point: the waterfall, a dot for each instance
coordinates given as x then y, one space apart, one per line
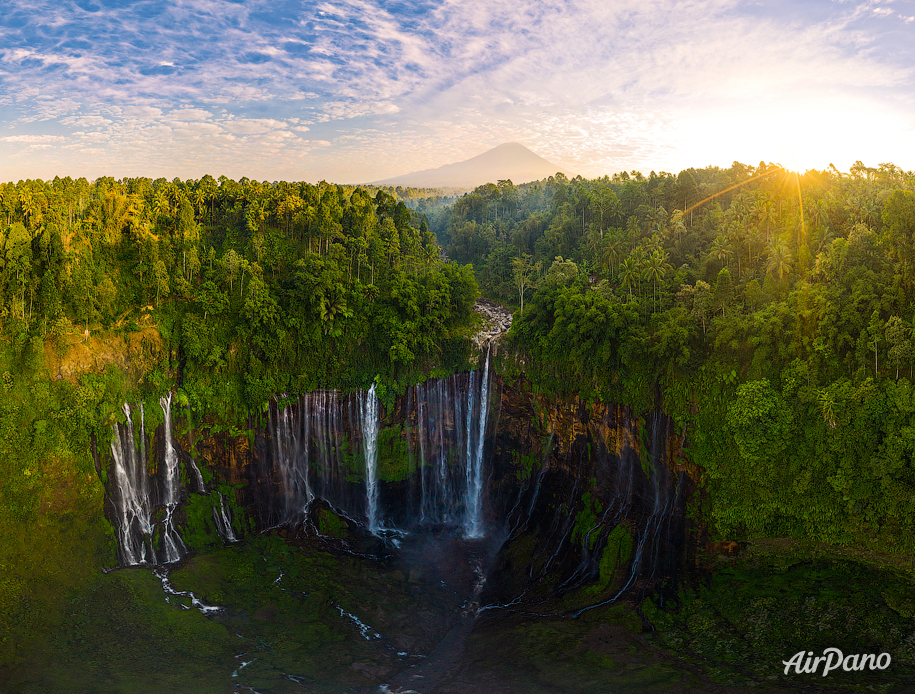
473 524
322 445
133 523
368 422
290 452
327 445
658 494
450 417
223 521
134 498
310 454
171 488
201 485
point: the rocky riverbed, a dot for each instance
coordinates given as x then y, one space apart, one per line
497 319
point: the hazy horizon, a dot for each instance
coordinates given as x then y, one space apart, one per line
365 90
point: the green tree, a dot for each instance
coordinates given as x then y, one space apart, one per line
160 277
656 269
629 273
524 274
17 253
875 331
724 290
899 221
779 259
897 337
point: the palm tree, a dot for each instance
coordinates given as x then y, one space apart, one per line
160 203
629 273
199 198
331 308
765 214
779 259
656 268
610 251
27 204
720 249
117 211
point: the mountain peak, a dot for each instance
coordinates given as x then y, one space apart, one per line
510 160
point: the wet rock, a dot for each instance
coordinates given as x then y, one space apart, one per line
497 320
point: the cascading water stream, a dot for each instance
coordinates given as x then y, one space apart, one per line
449 419
174 547
223 520
135 499
290 451
321 443
473 524
644 557
368 421
131 497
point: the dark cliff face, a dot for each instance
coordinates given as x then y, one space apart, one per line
579 495
595 500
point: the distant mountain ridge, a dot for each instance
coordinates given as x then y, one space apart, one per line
511 161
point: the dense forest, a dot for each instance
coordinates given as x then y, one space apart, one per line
771 314
243 278
231 292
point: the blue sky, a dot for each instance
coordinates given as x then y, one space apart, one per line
358 90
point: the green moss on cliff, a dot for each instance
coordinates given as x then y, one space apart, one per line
394 464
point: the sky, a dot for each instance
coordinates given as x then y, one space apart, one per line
358 90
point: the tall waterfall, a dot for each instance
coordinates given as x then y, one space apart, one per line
327 445
657 494
322 445
291 458
144 505
173 547
473 521
449 420
130 493
368 421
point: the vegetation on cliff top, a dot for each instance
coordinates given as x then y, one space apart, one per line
770 313
255 288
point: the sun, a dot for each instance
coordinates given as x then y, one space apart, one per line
799 136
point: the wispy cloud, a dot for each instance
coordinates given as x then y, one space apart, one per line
360 89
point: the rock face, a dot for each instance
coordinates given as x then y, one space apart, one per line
496 321
584 494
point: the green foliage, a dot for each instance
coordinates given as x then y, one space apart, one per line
199 531
393 462
586 520
762 610
256 288
779 338
330 524
616 553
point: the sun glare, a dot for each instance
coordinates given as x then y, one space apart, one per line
799 136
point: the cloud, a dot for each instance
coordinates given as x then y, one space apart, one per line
252 126
32 139
86 121
188 114
593 86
